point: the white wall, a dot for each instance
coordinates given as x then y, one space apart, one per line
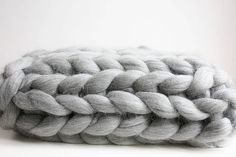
203 27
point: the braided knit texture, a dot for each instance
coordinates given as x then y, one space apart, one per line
125 97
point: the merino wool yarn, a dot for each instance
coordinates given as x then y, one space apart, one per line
124 97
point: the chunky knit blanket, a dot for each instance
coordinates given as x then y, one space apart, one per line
123 97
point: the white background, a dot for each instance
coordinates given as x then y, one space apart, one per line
206 28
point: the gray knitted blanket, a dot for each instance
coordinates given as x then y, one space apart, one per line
123 97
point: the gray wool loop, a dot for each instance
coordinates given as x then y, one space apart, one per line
124 97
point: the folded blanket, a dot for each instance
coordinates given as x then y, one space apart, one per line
123 97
